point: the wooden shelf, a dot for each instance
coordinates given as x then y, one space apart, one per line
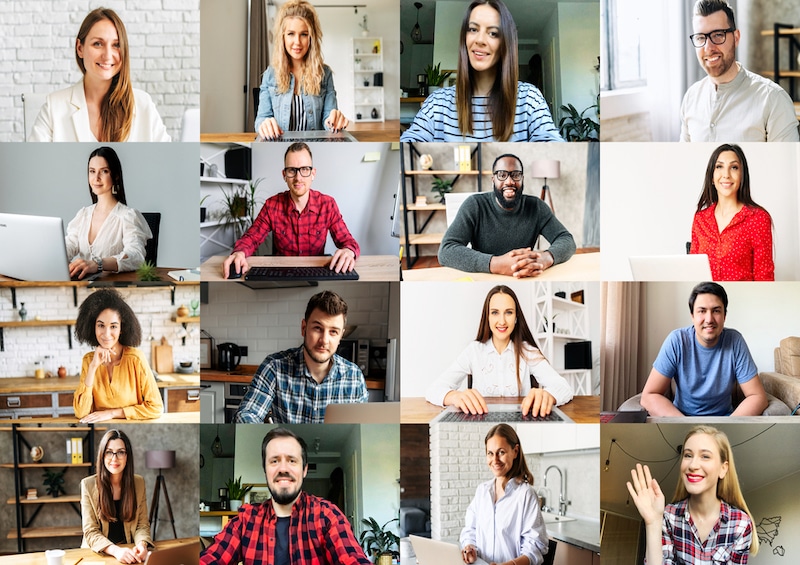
27 429
786 31
37 323
431 207
787 73
425 238
42 465
416 172
65 532
47 499
186 319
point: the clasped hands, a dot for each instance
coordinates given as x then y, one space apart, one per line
538 402
521 263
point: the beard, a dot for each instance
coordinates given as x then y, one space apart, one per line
284 495
507 203
317 357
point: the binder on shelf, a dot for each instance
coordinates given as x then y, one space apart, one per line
75 447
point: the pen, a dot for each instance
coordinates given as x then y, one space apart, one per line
78 561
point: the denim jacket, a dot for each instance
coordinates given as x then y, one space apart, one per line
279 105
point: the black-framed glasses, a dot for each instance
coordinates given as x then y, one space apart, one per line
292 171
503 175
121 454
717 37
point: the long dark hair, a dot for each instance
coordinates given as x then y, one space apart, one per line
116 172
520 335
103 481
519 470
709 194
503 97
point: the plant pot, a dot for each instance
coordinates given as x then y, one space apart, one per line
432 89
202 214
384 559
238 207
235 505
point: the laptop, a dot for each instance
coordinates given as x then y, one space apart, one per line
44 255
310 136
508 413
435 552
670 268
183 554
363 413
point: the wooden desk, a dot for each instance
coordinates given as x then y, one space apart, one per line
12 385
106 277
370 268
366 132
169 418
581 267
72 556
582 409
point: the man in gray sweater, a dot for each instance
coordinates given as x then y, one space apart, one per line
503 227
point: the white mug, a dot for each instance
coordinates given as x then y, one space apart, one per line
54 556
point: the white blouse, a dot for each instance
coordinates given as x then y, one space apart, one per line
493 374
122 236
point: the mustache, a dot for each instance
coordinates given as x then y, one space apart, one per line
284 476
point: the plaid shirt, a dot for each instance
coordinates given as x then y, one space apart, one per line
284 384
728 541
298 233
319 534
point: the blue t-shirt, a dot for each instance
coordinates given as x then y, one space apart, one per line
705 377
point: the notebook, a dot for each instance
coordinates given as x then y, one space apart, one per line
435 552
509 413
312 136
670 268
363 413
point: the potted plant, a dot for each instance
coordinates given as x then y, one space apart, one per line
575 127
436 77
147 272
236 492
379 542
203 209
441 187
241 207
54 481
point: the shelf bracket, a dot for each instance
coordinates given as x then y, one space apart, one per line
14 297
75 296
2 342
69 336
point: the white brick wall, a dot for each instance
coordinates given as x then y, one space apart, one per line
37 53
24 346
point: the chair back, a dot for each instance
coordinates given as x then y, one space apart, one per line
452 202
190 125
551 552
151 247
256 99
31 104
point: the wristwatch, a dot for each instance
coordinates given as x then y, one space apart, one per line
99 262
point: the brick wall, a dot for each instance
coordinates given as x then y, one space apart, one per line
37 53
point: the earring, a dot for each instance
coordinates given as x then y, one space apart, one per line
114 189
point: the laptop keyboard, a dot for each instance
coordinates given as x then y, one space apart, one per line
298 274
498 417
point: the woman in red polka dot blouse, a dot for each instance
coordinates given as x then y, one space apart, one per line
734 231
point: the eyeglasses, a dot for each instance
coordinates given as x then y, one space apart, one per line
292 171
717 37
121 454
503 175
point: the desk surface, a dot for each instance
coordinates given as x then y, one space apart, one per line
581 267
582 409
363 131
369 267
106 277
84 555
170 418
13 385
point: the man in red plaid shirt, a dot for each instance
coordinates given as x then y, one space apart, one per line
293 527
299 220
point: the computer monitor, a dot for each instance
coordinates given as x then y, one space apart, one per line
670 268
33 248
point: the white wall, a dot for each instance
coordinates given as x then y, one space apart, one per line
772 501
763 313
380 473
656 186
38 53
579 46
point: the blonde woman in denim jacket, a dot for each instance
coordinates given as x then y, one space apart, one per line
297 91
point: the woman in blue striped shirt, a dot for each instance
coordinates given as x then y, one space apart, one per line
488 102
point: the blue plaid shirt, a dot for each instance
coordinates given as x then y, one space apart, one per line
284 385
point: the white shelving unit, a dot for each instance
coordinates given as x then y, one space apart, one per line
215 238
368 60
571 321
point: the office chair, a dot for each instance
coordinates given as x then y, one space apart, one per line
551 552
256 98
151 247
31 104
190 125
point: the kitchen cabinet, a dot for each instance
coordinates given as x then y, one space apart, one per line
622 539
548 438
568 554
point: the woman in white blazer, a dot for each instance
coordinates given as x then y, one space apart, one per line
103 106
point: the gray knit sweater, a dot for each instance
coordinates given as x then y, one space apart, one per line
494 231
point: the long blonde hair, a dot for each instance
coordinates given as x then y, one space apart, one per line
116 110
313 70
727 487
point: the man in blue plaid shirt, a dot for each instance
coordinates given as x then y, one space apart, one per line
296 385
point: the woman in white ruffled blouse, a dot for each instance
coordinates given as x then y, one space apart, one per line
108 235
501 361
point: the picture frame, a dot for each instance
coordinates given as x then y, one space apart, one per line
451 80
258 494
205 353
577 296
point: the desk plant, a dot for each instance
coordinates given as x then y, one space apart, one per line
236 491
378 541
54 481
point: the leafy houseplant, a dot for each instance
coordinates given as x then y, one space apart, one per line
435 76
441 187
378 541
241 207
203 208
236 491
147 272
54 481
575 127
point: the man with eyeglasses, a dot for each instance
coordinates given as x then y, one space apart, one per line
502 227
731 104
299 219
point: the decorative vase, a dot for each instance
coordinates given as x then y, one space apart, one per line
62 372
374 114
23 313
183 311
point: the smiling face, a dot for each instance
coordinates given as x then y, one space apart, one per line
483 38
100 180
701 465
500 456
284 469
502 316
296 38
727 174
100 51
321 335
708 317
718 61
115 464
298 184
509 191
107 328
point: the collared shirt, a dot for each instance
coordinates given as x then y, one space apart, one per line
494 374
298 233
508 528
749 108
742 251
283 384
728 542
319 534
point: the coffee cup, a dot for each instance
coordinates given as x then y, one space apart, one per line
54 556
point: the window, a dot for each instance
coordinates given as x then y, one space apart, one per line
622 49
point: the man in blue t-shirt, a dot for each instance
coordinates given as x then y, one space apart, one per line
706 361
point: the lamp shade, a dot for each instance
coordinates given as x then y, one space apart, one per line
546 169
159 459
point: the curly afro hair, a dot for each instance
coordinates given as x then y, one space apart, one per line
130 333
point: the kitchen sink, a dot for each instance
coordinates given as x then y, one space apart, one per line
553 518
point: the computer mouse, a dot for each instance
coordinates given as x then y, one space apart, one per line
232 274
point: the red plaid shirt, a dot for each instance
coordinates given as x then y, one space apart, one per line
298 233
319 534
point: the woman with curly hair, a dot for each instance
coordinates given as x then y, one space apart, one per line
102 106
116 381
114 503
297 91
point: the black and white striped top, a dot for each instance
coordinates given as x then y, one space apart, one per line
297 117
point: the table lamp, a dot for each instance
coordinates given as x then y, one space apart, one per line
546 169
160 459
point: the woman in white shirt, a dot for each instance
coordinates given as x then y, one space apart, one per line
108 235
501 361
504 524
102 106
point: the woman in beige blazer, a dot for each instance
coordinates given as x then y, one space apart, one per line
114 503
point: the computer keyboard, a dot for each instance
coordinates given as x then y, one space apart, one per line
498 417
298 274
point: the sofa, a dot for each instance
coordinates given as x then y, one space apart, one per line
784 382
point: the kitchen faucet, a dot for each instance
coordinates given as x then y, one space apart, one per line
562 496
